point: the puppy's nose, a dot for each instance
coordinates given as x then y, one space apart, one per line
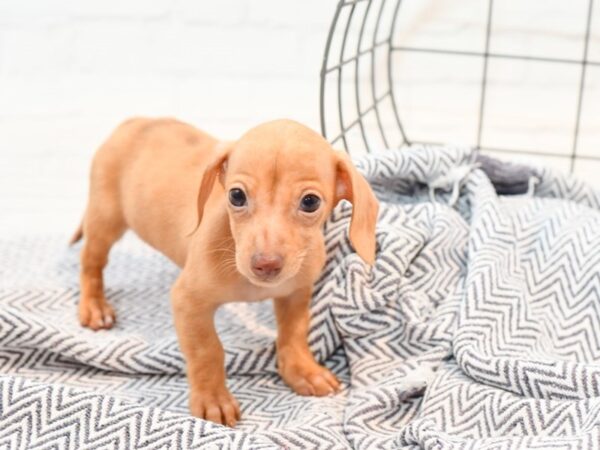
266 266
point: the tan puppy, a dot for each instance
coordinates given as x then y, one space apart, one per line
257 207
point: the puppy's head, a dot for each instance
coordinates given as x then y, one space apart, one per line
281 182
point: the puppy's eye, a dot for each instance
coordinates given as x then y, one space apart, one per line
237 197
310 203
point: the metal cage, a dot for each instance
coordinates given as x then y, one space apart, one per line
359 102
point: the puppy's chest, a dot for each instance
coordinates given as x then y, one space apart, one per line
245 291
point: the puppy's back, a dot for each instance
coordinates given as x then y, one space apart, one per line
148 171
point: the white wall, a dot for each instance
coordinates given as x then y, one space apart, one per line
70 70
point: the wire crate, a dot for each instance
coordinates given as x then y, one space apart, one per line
362 104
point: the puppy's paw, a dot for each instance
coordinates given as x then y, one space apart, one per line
216 405
309 378
96 314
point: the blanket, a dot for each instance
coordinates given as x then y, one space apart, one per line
477 327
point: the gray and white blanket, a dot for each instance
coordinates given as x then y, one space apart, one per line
478 327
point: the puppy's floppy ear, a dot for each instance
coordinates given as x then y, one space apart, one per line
216 168
352 186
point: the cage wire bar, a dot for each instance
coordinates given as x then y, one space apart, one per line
332 73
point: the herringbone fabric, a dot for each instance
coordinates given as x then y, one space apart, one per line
478 327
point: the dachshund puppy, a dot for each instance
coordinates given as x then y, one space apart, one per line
243 220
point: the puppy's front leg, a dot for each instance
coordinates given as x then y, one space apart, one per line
295 361
203 352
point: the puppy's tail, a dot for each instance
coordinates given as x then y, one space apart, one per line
77 235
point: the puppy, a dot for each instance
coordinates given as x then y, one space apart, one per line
243 220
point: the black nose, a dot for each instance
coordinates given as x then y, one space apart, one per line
266 266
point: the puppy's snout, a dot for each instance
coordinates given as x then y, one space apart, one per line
266 266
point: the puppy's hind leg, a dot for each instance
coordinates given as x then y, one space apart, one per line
101 231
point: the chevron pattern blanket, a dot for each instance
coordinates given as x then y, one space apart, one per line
478 327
